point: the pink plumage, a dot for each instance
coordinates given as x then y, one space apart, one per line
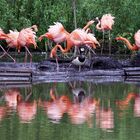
2 35
12 39
137 38
91 37
26 38
78 36
106 22
56 32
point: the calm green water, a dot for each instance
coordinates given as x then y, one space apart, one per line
70 111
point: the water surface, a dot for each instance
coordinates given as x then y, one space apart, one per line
72 110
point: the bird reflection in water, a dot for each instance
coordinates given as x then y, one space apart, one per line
125 103
25 108
27 111
56 106
12 97
2 112
137 106
83 107
105 117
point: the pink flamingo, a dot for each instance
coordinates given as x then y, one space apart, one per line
26 38
135 46
4 36
77 38
58 34
105 24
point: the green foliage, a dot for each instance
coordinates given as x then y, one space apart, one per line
16 14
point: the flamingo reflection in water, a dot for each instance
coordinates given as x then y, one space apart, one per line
105 118
56 106
25 109
12 97
82 112
124 104
137 106
83 107
3 110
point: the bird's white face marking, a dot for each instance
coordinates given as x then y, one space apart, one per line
82 49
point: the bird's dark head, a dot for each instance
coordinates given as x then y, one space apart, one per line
83 50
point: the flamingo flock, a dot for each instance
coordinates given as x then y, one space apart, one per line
26 37
15 39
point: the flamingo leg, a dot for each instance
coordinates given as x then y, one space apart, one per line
88 43
3 55
109 37
75 51
103 43
57 64
25 58
6 53
29 54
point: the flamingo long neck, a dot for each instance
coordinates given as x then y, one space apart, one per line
54 50
86 27
128 44
67 33
68 47
98 26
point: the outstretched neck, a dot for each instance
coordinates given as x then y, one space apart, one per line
54 50
98 26
126 41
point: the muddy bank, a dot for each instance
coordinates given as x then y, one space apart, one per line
95 63
97 69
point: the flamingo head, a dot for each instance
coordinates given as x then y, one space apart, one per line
41 37
90 22
97 19
34 28
119 38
